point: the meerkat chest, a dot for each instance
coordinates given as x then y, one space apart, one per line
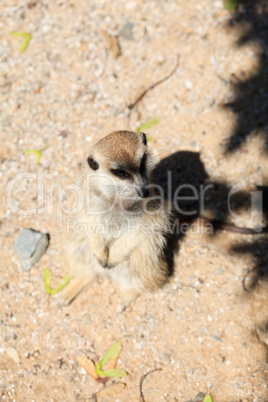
111 228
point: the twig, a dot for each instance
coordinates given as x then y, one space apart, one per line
132 105
141 382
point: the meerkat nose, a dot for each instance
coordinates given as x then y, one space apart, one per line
143 192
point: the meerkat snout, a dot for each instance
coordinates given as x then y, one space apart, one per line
143 192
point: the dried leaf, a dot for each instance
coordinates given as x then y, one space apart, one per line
88 365
111 364
113 44
34 151
47 279
112 390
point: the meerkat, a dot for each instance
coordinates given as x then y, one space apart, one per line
125 223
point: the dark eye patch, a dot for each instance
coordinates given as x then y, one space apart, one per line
92 163
122 174
143 164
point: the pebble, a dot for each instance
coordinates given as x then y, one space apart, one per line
218 271
130 5
166 358
126 31
13 353
30 245
188 84
198 398
217 338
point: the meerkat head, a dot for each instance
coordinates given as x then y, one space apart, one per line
120 165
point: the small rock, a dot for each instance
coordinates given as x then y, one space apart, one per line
217 338
188 84
199 398
218 271
63 134
82 371
209 384
166 358
126 31
191 371
30 246
131 5
13 353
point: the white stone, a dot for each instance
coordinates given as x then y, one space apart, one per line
188 84
13 353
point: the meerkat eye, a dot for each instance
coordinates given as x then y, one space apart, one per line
92 163
122 174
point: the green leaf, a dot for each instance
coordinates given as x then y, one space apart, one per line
47 276
148 125
207 399
47 279
26 41
34 151
112 353
151 139
117 373
231 5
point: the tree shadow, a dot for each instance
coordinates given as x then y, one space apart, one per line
184 170
250 104
259 272
184 181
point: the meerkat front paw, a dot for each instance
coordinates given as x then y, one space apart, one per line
129 297
102 257
69 293
114 259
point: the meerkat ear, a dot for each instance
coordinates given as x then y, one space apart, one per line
144 139
92 163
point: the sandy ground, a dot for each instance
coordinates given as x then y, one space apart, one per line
60 96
